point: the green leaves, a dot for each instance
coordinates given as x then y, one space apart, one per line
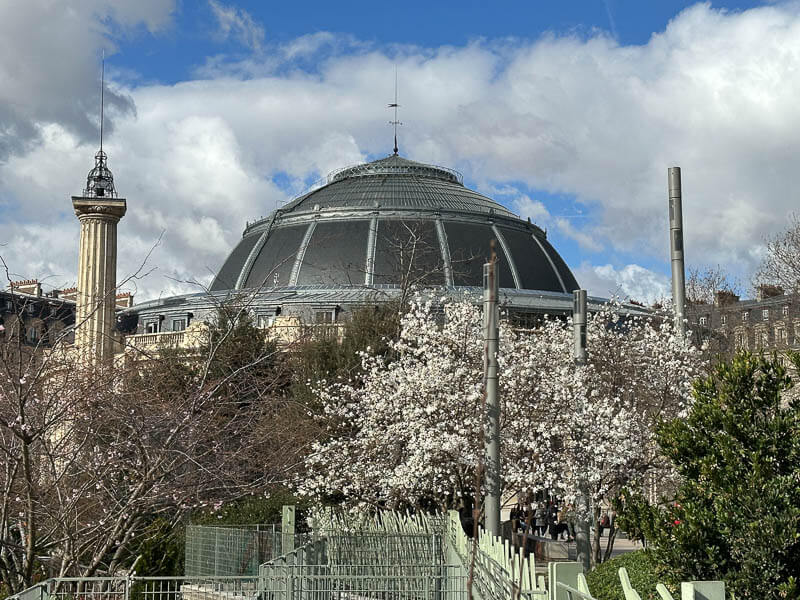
736 513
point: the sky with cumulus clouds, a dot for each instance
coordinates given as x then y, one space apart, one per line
217 112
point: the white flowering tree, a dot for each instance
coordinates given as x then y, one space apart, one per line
406 431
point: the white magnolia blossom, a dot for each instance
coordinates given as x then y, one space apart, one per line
406 430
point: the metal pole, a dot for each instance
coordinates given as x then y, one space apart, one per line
676 248
582 508
491 340
579 326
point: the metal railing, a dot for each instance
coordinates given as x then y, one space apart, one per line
570 593
320 582
142 588
289 582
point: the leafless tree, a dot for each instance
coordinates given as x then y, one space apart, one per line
91 454
703 284
781 265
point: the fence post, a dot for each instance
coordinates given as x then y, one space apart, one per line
703 590
216 550
287 528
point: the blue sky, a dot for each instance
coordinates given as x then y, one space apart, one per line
172 56
567 112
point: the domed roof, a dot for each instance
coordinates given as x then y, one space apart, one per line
396 182
392 222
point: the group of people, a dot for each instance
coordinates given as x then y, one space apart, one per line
546 518
558 521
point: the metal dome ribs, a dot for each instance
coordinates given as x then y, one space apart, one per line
389 223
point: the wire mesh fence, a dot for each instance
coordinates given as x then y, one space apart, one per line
384 548
234 551
386 582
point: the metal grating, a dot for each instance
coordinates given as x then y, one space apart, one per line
230 551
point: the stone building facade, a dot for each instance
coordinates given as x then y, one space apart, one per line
33 318
770 322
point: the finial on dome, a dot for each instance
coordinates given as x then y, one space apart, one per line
100 181
395 106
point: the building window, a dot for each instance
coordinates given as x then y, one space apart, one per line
765 314
151 327
740 340
322 317
32 335
745 316
780 334
178 324
785 310
724 319
703 320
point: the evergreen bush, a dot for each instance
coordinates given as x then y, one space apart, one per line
604 581
736 513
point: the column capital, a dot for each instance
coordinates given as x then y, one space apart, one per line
110 209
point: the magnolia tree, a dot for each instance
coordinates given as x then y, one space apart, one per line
407 430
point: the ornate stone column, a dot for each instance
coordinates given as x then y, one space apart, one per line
98 211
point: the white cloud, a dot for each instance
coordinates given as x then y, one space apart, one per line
632 282
584 239
237 22
715 93
50 64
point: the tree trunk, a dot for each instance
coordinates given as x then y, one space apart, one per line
612 536
596 556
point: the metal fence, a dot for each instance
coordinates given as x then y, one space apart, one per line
233 551
387 582
384 548
143 588
290 582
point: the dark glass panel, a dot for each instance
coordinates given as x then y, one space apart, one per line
336 254
534 270
569 279
273 265
229 273
408 253
470 249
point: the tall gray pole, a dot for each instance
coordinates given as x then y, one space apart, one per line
491 339
676 248
583 546
579 326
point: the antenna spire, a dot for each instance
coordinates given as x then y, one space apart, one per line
100 181
102 95
395 106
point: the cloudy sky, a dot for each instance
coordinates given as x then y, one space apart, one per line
217 112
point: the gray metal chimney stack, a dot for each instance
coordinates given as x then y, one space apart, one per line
676 249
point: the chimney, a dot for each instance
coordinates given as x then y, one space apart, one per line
766 290
31 287
124 300
725 297
70 294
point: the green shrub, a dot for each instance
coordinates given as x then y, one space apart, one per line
736 513
604 581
